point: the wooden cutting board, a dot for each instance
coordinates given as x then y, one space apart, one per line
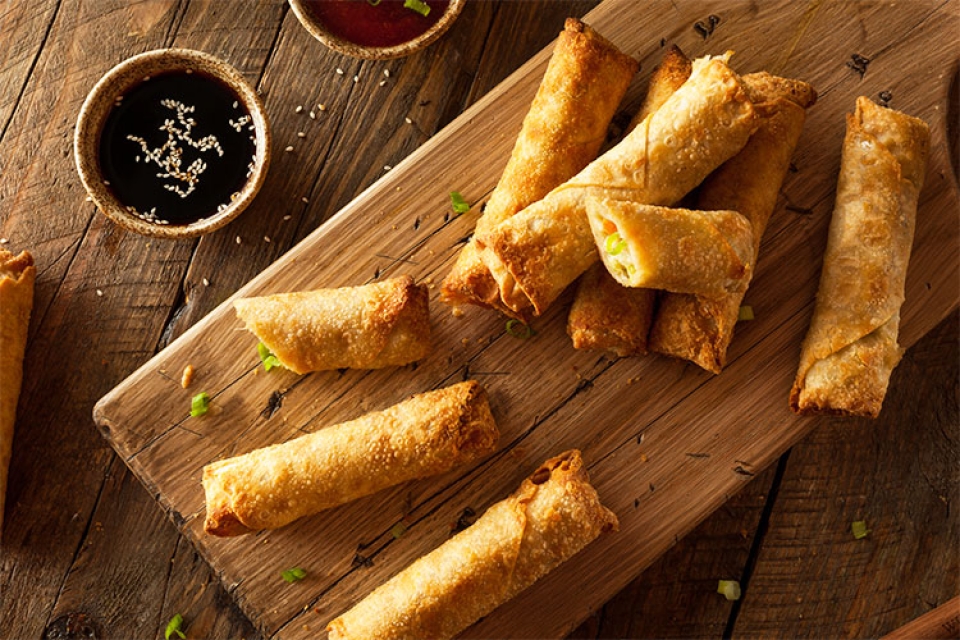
665 442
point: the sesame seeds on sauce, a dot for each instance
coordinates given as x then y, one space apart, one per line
177 147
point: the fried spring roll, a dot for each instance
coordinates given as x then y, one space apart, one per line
17 275
605 314
548 245
367 327
700 328
705 252
584 82
851 347
428 434
552 516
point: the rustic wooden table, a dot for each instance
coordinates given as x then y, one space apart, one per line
86 551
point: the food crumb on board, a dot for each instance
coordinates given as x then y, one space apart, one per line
457 312
187 376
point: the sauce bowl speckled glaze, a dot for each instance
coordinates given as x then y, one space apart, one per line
107 95
340 44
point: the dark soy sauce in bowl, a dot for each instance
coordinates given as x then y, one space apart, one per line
177 147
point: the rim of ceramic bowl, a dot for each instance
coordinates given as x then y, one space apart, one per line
349 48
99 103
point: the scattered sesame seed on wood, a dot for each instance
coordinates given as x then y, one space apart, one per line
299 108
187 376
288 149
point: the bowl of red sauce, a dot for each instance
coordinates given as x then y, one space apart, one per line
376 29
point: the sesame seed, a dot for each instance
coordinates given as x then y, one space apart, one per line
206 282
301 134
387 167
239 240
89 198
408 120
4 240
266 238
99 293
383 83
356 78
313 116
286 217
304 199
386 72
322 107
299 108
339 71
234 104
289 149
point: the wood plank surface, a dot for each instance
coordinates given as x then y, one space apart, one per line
85 550
694 455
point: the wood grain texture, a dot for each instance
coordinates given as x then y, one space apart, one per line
401 217
85 545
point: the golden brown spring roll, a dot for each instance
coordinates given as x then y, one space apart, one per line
17 275
851 347
552 516
699 328
704 252
377 325
548 245
428 434
605 314
584 82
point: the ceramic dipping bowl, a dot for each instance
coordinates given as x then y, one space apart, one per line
377 30
172 143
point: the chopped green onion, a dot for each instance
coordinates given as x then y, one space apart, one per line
730 589
267 358
460 205
200 404
746 313
859 529
173 627
398 530
519 330
419 6
614 244
294 574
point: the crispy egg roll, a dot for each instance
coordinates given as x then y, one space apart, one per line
427 434
372 326
851 347
700 328
606 315
17 275
609 316
567 122
705 252
552 516
548 245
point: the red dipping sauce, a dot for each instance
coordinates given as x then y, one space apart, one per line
386 24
